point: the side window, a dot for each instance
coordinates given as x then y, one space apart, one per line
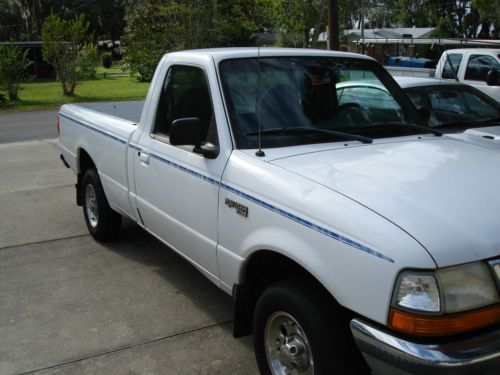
479 66
449 71
184 94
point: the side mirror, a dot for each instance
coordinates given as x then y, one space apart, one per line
492 78
187 132
425 113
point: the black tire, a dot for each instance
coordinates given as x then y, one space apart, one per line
102 222
317 323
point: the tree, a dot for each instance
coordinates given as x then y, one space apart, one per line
13 63
154 28
489 12
63 41
145 38
23 19
300 21
234 22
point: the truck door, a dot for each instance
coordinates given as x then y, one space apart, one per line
177 189
477 70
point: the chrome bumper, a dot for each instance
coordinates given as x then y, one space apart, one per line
389 354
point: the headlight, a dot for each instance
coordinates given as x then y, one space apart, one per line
418 291
467 287
448 301
447 290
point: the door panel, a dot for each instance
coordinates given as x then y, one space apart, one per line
178 190
177 196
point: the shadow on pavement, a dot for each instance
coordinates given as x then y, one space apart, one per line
136 244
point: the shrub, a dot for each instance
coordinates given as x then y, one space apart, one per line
88 60
63 41
13 63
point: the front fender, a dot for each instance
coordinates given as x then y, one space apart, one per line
355 253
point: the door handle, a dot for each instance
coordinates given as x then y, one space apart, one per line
143 157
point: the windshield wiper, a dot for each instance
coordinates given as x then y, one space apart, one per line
427 129
306 131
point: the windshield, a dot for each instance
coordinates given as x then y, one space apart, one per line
353 96
455 105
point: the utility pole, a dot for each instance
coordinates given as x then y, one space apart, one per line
363 26
333 25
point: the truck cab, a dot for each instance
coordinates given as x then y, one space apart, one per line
478 67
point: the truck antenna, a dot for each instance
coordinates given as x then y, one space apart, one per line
259 152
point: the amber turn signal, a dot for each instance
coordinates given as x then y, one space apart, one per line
443 325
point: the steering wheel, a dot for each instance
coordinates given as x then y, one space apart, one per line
351 105
359 110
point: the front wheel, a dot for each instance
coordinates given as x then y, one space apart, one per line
298 331
102 222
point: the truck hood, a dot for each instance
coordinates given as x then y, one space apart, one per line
445 193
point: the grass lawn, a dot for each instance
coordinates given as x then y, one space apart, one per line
47 94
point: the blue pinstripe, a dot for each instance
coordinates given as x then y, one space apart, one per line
81 123
242 194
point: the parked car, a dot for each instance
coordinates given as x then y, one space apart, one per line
340 227
455 107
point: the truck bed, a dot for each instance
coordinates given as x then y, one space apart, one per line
103 130
128 110
398 71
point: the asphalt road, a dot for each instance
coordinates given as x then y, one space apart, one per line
26 126
69 305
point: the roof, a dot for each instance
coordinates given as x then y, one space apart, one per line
219 54
407 82
376 84
383 33
437 41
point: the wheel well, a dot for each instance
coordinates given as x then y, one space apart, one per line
261 270
85 163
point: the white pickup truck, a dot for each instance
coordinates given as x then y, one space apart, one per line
478 67
303 183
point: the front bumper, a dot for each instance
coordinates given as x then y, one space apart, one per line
389 354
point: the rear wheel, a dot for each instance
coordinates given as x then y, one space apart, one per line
297 330
102 222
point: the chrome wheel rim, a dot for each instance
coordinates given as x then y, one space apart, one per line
91 206
287 349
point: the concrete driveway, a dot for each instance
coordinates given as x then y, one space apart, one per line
69 305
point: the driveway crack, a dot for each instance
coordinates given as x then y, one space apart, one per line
132 346
44 241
